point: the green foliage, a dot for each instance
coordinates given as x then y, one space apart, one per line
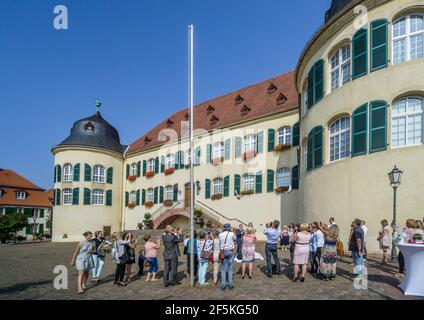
10 224
147 216
49 223
198 214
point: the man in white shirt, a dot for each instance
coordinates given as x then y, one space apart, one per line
364 227
226 243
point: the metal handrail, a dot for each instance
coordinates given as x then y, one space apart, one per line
220 214
162 206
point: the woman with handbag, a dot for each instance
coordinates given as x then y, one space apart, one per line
120 258
151 253
204 249
248 251
130 248
82 257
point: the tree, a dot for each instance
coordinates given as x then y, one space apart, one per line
10 224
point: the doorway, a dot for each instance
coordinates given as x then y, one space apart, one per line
106 231
187 195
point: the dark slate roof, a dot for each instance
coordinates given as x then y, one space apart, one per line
336 7
103 134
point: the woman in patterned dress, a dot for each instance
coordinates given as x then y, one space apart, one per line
328 263
84 260
248 251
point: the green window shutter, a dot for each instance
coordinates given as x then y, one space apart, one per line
182 156
55 174
59 173
310 151
75 196
156 165
161 195
197 156
237 151
128 171
175 194
155 195
318 143
258 182
271 140
378 126
260 142
144 167
138 168
295 178
28 212
207 189
109 198
87 172
162 164
143 197
87 196
237 184
318 81
28 229
379 44
227 186
270 180
296 135
208 153
137 199
360 53
77 172
109 175
311 87
41 229
127 198
359 130
227 149
58 197
41 213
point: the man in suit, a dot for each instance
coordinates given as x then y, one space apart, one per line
170 242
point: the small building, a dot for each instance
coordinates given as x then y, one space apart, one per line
19 195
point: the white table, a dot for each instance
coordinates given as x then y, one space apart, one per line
413 284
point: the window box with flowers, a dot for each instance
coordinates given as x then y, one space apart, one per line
249 155
131 205
281 189
150 174
168 203
216 196
132 178
217 161
169 171
247 192
282 147
148 204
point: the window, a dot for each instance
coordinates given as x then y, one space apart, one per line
340 139
218 186
305 157
305 99
284 136
249 143
169 192
99 174
21 195
316 83
151 165
98 197
340 67
408 38
283 178
249 182
67 173
315 146
188 155
1 193
407 122
150 195
133 197
218 150
67 196
170 160
133 169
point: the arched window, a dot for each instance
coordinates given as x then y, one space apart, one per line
169 192
249 143
170 161
151 165
133 197
408 38
98 197
283 178
150 195
218 150
67 196
407 122
99 174
218 186
340 67
340 139
67 173
284 136
133 169
249 182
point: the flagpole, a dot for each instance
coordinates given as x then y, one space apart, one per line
191 98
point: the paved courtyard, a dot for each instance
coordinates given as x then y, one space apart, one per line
27 273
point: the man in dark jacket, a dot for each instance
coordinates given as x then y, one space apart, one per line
170 242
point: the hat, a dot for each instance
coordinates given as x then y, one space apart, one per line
227 226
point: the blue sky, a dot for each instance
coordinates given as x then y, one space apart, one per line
132 54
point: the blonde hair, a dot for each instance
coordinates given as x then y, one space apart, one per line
411 223
304 227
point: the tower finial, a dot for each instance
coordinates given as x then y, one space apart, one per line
98 104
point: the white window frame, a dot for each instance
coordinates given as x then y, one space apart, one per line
218 150
250 143
338 135
407 36
187 157
133 197
248 182
284 136
151 165
21 195
406 115
98 197
283 177
67 196
133 169
339 67
170 161
169 193
68 173
150 195
218 186
35 214
99 174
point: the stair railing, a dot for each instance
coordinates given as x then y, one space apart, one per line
216 213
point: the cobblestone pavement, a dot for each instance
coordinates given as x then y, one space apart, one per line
27 273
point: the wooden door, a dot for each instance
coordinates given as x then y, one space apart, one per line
187 196
106 231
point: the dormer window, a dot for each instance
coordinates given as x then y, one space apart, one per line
245 110
281 99
214 120
169 123
210 109
272 88
147 140
1 193
239 99
89 128
21 195
187 116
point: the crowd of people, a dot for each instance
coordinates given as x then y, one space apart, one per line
315 244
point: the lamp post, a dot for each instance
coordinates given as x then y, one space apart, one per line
395 177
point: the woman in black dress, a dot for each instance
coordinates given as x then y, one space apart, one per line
130 249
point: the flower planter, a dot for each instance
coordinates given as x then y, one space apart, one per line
168 203
217 161
148 224
148 204
187 166
249 155
281 189
132 178
200 222
131 205
247 192
149 174
282 147
169 171
216 197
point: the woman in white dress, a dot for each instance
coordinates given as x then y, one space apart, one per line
84 260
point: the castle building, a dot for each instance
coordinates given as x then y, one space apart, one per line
301 147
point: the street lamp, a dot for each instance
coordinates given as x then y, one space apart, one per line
395 177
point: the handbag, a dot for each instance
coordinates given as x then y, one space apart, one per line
339 248
222 252
205 254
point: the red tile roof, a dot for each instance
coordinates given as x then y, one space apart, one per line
261 99
9 178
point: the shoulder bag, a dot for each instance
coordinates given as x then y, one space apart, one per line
222 252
